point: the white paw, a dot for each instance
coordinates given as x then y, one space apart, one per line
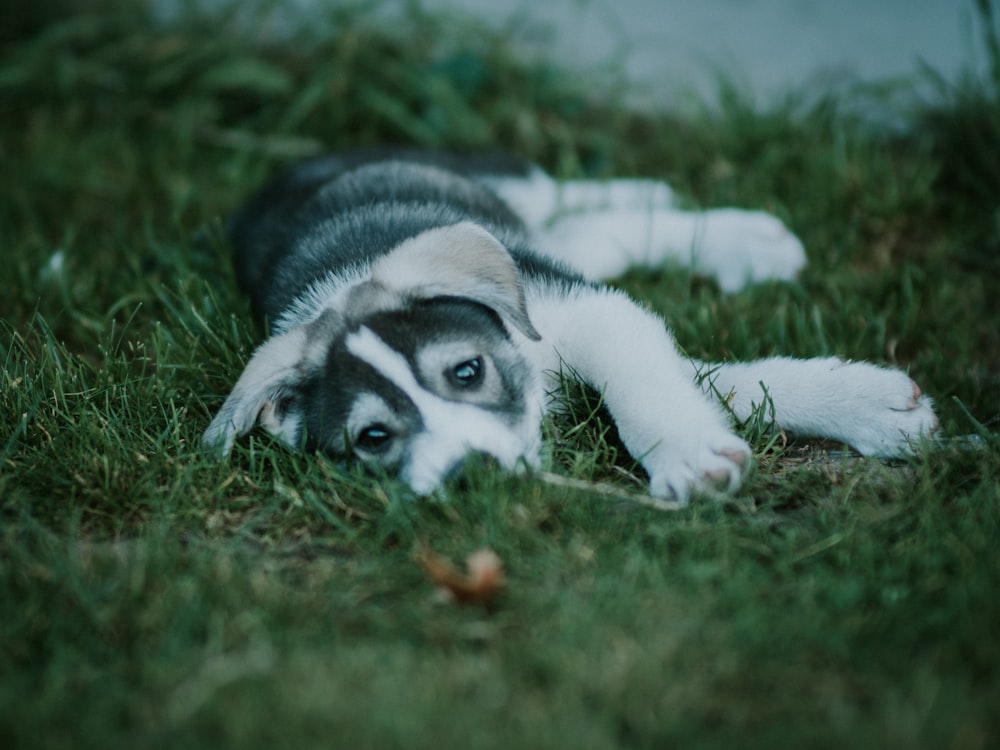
714 460
740 247
884 412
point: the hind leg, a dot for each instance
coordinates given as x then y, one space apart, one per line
876 410
604 228
543 202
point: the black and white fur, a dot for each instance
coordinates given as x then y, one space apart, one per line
420 304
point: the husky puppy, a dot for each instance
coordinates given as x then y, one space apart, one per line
419 304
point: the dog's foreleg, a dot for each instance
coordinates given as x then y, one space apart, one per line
680 436
876 410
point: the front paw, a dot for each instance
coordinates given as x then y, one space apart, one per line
679 468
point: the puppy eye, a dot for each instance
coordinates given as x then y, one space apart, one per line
467 373
374 437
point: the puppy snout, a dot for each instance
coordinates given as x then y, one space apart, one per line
471 465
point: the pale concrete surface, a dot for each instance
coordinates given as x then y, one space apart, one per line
674 48
672 51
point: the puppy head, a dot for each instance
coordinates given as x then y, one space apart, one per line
408 371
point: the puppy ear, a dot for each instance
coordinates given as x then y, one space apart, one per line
462 260
263 392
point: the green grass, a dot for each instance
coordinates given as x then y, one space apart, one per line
152 598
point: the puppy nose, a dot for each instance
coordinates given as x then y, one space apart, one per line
472 464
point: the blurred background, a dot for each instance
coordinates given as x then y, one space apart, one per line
677 49
674 52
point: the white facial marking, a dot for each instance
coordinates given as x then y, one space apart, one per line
451 429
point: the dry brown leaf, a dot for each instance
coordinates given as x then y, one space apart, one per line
479 584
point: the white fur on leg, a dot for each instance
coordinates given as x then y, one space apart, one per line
604 228
541 200
740 247
680 436
733 246
876 410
